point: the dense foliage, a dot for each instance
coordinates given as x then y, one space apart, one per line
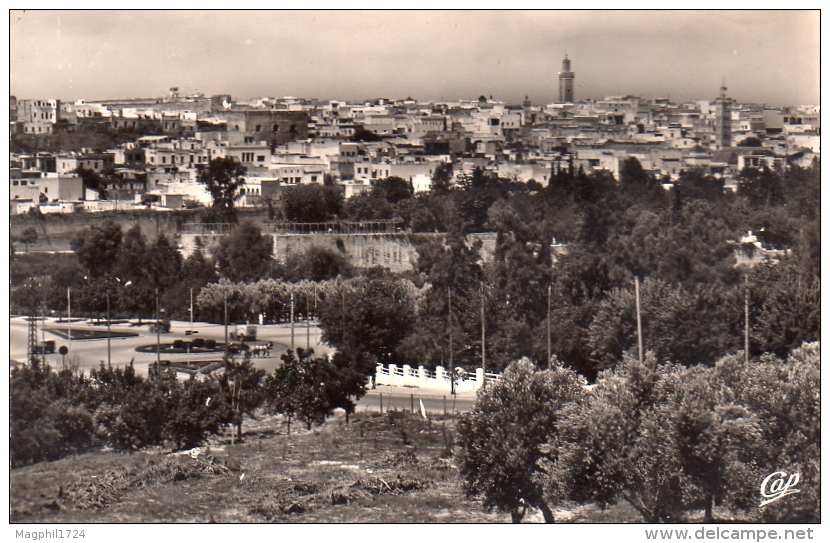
664 438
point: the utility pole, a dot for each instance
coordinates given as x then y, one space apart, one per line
69 317
292 318
549 353
449 324
158 333
746 318
43 332
307 325
343 317
34 358
225 301
109 350
639 324
483 346
191 311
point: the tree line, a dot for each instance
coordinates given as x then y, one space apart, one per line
664 438
54 414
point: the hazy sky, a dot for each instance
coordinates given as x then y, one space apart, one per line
765 56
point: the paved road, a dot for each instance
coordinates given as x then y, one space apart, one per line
404 398
90 353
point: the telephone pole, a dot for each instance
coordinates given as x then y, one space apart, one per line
292 318
549 353
746 318
639 324
449 323
69 317
483 346
158 331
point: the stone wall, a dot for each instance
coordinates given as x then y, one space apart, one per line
393 251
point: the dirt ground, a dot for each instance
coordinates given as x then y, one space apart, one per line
391 467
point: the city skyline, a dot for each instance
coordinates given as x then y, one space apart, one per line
428 55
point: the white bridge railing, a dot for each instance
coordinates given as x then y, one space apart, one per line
439 379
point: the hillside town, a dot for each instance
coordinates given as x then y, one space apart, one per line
160 144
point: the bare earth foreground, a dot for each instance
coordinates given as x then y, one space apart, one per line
389 467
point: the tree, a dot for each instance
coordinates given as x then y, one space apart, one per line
762 188
97 247
245 254
452 272
132 267
641 186
503 438
696 184
242 385
751 141
442 178
715 437
361 134
366 318
312 203
28 236
393 189
368 206
92 180
317 263
223 177
616 446
163 264
789 312
297 389
197 271
694 326
196 410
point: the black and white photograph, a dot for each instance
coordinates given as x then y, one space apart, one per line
373 266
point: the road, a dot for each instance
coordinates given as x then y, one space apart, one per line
91 352
404 398
88 354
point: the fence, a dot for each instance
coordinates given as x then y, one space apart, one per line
437 380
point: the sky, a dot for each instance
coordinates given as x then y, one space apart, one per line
764 56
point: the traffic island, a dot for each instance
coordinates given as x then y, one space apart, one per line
197 346
82 334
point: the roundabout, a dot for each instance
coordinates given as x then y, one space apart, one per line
140 349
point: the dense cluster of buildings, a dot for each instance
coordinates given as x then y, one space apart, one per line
288 141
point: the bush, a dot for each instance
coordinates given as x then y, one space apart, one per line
199 343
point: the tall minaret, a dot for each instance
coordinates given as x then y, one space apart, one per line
566 81
723 119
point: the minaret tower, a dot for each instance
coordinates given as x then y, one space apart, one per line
566 81
723 119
